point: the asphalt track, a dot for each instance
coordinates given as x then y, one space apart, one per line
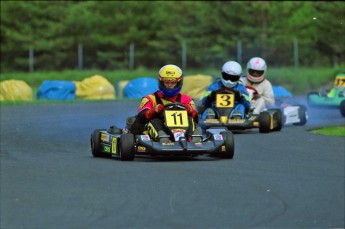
49 179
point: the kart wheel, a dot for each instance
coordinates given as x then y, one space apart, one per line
303 116
96 145
279 119
229 145
342 108
126 147
264 122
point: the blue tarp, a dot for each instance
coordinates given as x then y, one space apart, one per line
137 88
280 91
57 90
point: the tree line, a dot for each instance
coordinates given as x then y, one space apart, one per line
212 31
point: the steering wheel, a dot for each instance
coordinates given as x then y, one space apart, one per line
255 92
174 106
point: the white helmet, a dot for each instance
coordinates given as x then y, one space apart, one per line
256 70
231 73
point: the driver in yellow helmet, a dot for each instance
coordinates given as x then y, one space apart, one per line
170 81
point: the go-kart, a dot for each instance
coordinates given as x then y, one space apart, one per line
295 114
330 98
266 121
116 142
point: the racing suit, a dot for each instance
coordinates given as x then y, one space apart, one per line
156 123
266 95
242 105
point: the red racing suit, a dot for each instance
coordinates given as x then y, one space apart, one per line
150 101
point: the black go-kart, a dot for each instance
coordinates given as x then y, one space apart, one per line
267 121
117 142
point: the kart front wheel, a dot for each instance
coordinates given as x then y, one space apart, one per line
279 120
127 147
264 122
96 144
229 145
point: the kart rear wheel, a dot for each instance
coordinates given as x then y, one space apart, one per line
303 116
127 147
264 122
229 145
342 108
96 144
279 120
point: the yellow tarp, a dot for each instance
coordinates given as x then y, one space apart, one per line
196 85
15 90
95 87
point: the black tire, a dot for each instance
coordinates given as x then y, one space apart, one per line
279 119
229 145
96 144
303 116
342 108
264 122
127 147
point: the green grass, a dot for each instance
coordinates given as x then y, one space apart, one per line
338 131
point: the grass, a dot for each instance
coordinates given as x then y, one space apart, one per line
338 131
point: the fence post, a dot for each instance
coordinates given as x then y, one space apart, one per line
131 56
184 55
80 56
31 59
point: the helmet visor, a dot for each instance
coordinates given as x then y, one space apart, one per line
232 78
255 73
170 83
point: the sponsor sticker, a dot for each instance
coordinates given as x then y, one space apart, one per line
236 121
114 145
107 149
141 149
168 144
104 137
145 137
218 137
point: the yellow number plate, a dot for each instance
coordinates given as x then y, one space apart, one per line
225 100
176 118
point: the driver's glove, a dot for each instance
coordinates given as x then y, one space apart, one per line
211 97
159 108
190 110
238 96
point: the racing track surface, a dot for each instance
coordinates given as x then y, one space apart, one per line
49 179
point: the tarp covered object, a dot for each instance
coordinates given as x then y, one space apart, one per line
119 86
56 90
95 87
280 91
196 85
137 88
15 90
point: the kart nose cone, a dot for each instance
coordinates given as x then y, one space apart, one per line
223 119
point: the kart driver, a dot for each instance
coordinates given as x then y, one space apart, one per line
255 77
170 81
231 73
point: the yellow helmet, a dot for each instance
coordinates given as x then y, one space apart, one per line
170 73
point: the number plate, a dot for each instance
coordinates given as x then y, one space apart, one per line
176 118
225 100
